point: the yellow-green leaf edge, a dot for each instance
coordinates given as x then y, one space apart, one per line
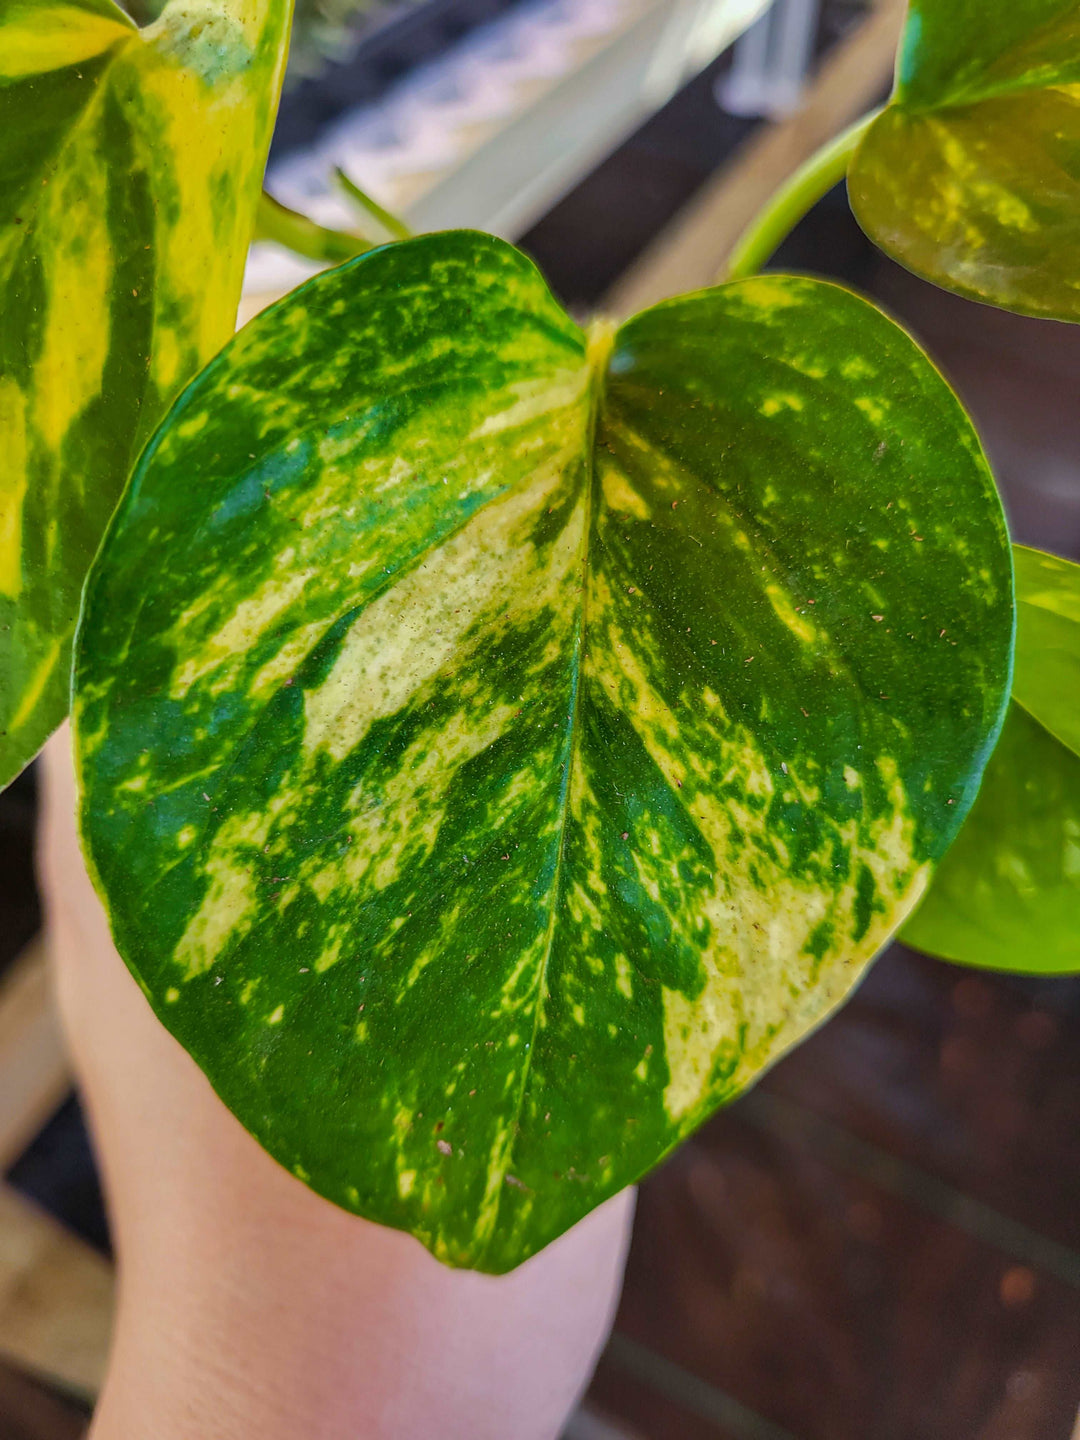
130 166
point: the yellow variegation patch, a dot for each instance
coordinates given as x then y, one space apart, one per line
130 167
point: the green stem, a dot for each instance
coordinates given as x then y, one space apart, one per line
390 223
776 220
274 221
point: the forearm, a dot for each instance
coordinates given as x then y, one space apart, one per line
251 1307
331 1327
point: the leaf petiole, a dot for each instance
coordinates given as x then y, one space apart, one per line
274 221
776 220
389 222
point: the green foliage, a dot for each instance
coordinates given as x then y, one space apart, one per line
130 167
1007 896
274 221
517 738
498 741
1046 680
296 232
971 175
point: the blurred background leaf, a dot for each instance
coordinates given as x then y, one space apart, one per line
322 29
1007 895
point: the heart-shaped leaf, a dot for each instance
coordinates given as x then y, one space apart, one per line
130 167
1007 896
971 175
498 745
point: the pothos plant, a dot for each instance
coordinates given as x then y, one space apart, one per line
499 741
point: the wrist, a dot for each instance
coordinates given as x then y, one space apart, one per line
303 1320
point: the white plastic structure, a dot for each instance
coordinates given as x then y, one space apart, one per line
494 131
771 61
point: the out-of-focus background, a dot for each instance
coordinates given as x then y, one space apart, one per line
882 1240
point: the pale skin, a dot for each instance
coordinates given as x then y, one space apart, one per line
248 1306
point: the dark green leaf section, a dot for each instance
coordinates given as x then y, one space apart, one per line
971 176
130 168
498 744
1007 896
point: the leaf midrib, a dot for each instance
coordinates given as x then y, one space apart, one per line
600 341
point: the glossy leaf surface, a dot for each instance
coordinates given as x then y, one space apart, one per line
1007 896
498 744
971 175
130 166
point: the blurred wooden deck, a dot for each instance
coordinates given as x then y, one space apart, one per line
881 1242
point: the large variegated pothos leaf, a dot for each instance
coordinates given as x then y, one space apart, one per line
1007 896
497 744
130 167
971 175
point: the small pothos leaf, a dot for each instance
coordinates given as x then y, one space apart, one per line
130 167
1046 677
498 743
1007 895
971 175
